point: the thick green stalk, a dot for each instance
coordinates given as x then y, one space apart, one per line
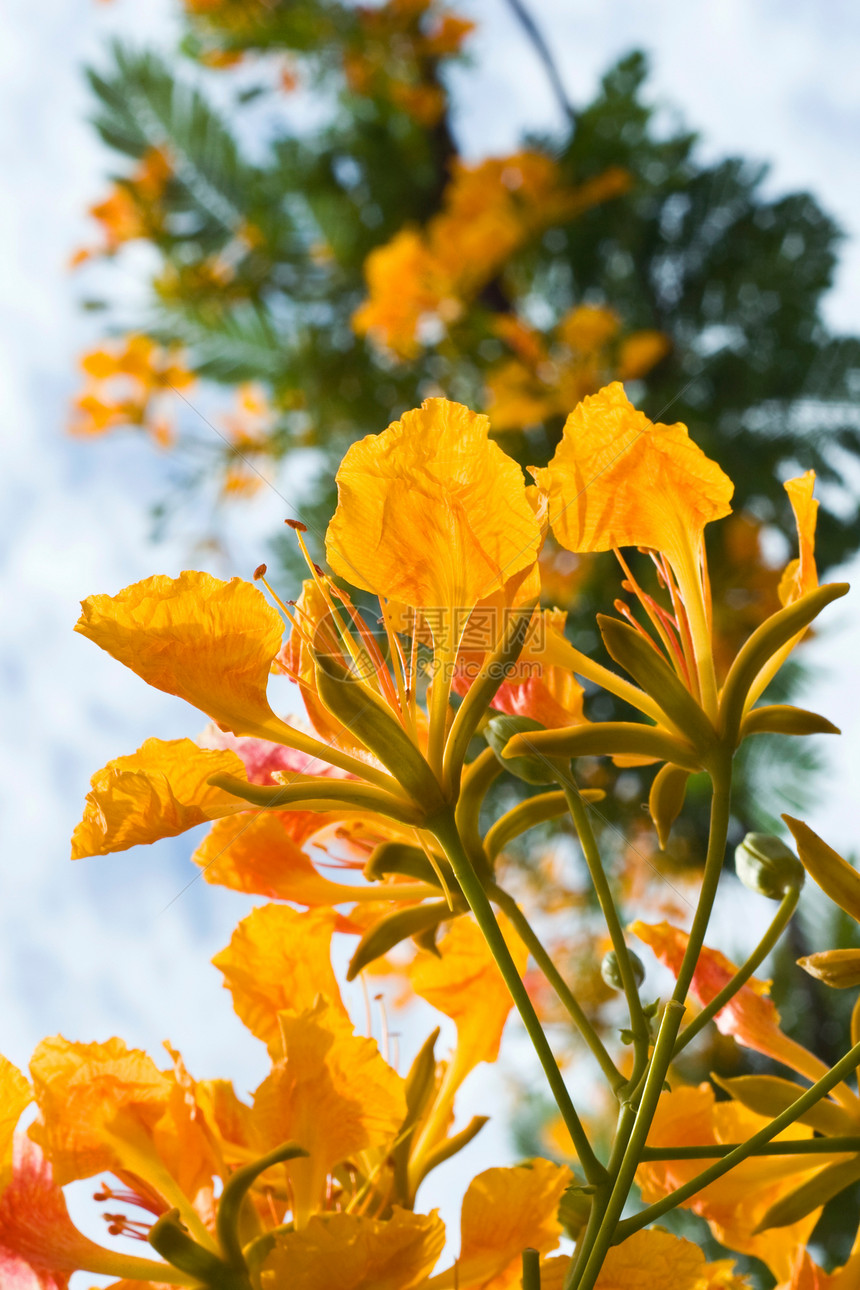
787 906
541 956
820 1089
531 1269
588 842
445 830
590 1263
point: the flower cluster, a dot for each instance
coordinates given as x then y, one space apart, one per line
369 820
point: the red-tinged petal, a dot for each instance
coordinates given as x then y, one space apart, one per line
750 1017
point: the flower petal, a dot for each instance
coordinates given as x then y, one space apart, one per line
79 1088
505 1211
278 959
209 642
750 1017
15 1096
466 984
734 1204
431 512
332 1093
618 479
157 792
262 854
357 1253
801 575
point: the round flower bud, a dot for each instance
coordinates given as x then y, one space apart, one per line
766 865
611 972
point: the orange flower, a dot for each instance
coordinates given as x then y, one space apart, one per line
127 385
419 283
618 480
750 1017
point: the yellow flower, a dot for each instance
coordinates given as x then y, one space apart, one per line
353 1252
650 1259
618 479
330 1091
207 641
504 1211
432 513
157 792
735 1204
278 959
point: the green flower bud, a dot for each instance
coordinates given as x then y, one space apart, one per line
766 865
611 972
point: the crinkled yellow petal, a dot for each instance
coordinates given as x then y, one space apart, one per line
431 512
649 1259
278 959
734 1204
79 1089
801 575
466 984
157 792
504 1212
260 853
209 642
618 479
351 1252
15 1095
332 1093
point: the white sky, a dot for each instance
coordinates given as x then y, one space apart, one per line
88 949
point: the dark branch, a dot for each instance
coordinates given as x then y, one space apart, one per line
544 53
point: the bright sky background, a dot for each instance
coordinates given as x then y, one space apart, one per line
97 948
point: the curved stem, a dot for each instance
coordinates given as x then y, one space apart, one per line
844 1067
477 778
445 830
787 906
588 842
542 957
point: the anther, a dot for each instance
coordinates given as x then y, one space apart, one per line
297 525
260 572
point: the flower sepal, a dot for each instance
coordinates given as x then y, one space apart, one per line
606 739
409 862
666 799
368 718
638 656
309 793
766 641
784 719
840 969
400 924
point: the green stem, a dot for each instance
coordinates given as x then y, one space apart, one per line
662 1056
787 906
531 1270
790 1147
820 1089
588 842
585 1244
670 1024
542 957
477 778
445 830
